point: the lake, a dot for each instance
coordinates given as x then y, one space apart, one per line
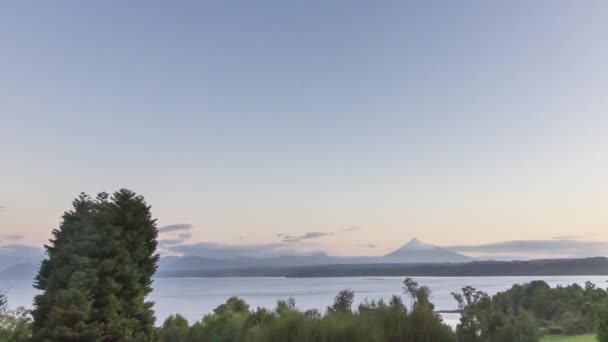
194 297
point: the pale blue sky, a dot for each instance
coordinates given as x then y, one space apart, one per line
457 122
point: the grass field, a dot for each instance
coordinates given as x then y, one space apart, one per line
561 338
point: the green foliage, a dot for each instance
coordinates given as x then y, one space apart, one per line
15 326
175 329
483 318
232 305
602 322
419 295
520 313
98 272
477 319
343 302
373 321
565 338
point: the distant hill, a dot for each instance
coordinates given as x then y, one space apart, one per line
547 267
19 272
192 263
416 251
15 254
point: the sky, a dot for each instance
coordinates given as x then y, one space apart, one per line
345 127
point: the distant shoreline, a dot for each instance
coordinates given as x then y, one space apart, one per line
597 266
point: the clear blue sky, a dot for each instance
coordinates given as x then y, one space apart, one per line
457 122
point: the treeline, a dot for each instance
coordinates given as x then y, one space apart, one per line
371 321
15 325
234 321
523 313
533 309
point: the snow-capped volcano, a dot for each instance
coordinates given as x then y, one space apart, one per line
417 245
417 251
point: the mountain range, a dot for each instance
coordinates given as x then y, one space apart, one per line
415 251
414 255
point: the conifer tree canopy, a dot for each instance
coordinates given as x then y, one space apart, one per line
98 272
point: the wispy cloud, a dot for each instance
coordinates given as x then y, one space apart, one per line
300 238
174 241
169 242
185 236
351 229
175 228
368 245
12 237
173 235
567 237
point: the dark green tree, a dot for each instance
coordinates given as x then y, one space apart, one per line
134 231
602 322
234 305
98 271
343 302
501 318
419 295
68 279
175 329
478 320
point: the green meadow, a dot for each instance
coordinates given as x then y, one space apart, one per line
562 338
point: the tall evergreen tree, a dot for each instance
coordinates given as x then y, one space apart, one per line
67 279
98 272
137 234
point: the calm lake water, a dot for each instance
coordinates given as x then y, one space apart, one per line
194 297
